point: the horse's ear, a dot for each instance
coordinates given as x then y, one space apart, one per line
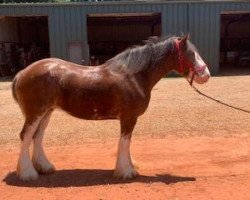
184 38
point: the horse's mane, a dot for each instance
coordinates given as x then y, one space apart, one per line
139 58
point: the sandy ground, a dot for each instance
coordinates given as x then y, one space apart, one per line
186 147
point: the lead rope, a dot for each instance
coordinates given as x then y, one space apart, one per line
196 89
216 100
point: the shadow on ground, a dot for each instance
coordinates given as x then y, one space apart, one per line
89 177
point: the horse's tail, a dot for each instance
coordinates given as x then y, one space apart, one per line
14 89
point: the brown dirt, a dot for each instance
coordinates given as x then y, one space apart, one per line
186 147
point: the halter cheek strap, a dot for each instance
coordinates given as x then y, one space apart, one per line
184 63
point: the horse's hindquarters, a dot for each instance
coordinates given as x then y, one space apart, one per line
35 92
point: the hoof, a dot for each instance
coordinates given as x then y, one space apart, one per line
131 173
28 175
46 168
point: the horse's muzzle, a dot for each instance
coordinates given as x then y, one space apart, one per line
200 78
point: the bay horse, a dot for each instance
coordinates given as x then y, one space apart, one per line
118 89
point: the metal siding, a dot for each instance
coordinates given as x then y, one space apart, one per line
79 24
68 22
216 59
56 31
116 9
72 26
204 27
18 10
164 21
174 16
213 64
52 35
85 37
209 50
121 8
63 30
174 19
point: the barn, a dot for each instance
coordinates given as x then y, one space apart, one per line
91 33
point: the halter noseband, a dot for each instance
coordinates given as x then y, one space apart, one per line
184 63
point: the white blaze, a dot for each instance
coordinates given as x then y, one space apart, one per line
199 62
201 75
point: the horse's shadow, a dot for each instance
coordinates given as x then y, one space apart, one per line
89 177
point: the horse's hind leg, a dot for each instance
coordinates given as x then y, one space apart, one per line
39 159
25 168
124 165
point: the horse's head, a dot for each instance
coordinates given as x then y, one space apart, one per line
190 62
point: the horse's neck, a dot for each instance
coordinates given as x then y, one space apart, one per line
158 71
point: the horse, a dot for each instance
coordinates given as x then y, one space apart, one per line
118 89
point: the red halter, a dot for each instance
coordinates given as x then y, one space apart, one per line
185 63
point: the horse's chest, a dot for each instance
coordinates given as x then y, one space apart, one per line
135 103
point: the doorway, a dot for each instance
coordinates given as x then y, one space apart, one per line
235 42
23 40
110 34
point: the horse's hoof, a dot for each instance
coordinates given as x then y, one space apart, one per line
47 171
28 175
131 173
46 168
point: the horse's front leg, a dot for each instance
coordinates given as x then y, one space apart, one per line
124 166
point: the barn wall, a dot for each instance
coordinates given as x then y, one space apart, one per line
173 16
204 27
68 22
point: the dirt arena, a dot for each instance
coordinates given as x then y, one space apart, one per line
186 147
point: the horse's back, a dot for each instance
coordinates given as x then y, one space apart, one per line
46 70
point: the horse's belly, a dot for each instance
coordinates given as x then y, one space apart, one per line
93 115
91 110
